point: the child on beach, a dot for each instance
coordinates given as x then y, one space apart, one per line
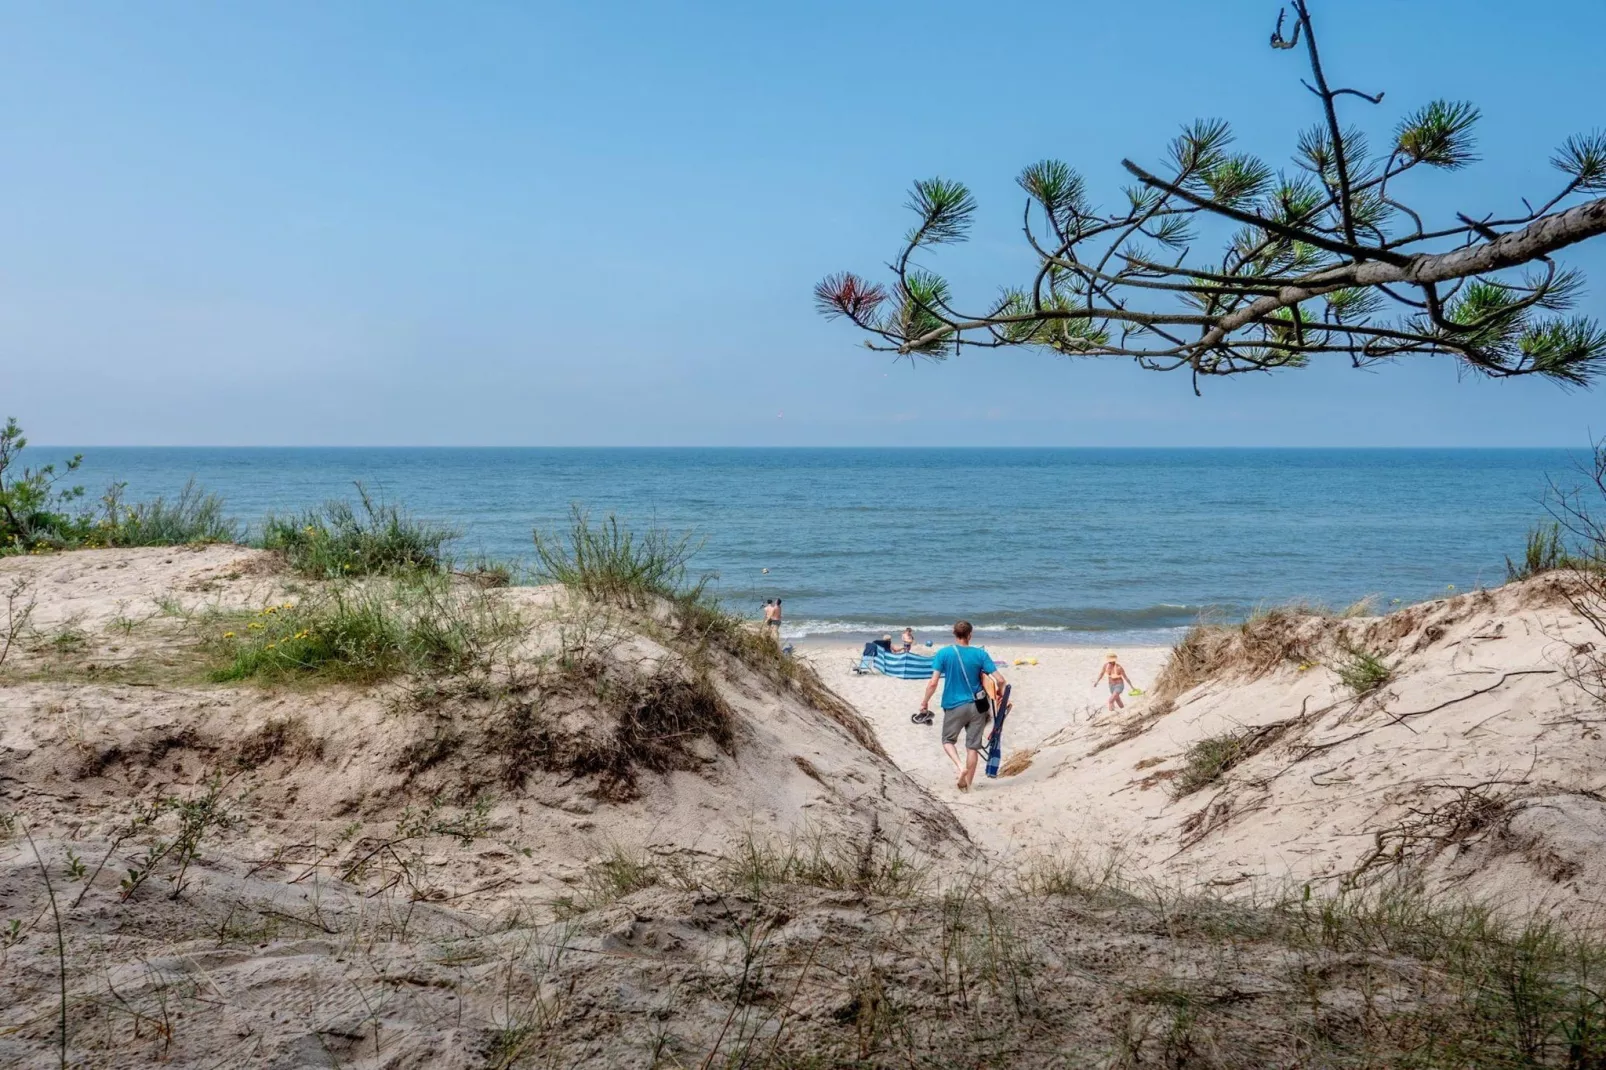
1116 674
907 640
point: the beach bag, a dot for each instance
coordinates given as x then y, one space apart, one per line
978 694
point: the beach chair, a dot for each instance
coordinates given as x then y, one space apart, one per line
866 663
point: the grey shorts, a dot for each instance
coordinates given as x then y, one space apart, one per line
967 718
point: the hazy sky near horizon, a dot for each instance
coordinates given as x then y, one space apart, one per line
599 223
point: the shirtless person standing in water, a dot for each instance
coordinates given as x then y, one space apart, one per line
1118 678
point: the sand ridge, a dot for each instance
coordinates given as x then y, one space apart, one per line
392 888
1478 764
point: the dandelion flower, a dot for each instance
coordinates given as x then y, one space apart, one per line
228 635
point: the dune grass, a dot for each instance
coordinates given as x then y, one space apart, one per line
1362 671
1269 638
1544 551
418 624
609 562
988 958
193 518
1209 759
647 573
370 538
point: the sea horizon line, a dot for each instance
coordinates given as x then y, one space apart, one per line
829 449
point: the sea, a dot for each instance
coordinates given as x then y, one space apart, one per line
1086 546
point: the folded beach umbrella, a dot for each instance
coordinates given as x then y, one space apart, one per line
995 745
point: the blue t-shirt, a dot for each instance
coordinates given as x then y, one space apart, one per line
961 668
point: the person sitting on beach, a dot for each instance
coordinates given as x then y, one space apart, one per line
908 641
885 643
1116 674
962 668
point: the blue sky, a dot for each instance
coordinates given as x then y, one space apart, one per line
599 223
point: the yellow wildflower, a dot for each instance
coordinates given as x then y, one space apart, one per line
228 635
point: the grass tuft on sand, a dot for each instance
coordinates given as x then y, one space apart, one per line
605 563
1208 760
1362 671
370 538
421 625
610 563
193 518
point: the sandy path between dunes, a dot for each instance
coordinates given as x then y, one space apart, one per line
1006 813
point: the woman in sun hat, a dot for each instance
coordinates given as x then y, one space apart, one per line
1116 674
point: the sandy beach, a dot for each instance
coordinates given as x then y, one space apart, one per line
1478 708
1048 697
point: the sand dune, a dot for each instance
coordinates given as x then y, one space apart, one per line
483 792
607 840
1476 766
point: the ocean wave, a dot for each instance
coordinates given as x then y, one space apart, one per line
1164 634
1089 620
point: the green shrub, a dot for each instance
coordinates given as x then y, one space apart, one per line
371 538
193 518
607 562
422 625
35 511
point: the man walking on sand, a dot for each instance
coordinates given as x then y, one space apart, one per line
961 668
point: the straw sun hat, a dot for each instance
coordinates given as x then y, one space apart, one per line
1112 656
